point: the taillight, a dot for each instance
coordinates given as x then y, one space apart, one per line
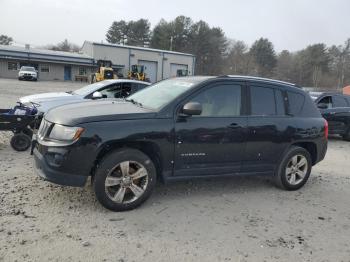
325 129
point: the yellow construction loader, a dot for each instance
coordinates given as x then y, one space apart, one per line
104 71
182 72
138 73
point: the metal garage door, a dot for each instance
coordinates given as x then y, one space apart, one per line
175 67
150 69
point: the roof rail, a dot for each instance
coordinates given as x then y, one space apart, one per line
260 78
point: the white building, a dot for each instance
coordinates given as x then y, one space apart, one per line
56 65
159 64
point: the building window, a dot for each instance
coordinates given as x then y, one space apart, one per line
82 71
44 69
12 66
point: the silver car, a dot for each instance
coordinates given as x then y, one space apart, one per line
113 88
28 73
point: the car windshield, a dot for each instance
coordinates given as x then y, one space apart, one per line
27 68
160 94
86 90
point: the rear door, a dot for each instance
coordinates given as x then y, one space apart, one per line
267 128
213 142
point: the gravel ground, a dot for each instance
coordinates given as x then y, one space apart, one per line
235 219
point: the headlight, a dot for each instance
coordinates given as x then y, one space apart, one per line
21 73
65 133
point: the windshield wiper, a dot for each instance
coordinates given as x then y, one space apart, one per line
134 102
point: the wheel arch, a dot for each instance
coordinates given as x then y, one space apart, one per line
310 147
148 148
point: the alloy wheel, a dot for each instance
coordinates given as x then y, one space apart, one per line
126 182
296 169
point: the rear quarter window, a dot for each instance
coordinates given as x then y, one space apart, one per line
296 102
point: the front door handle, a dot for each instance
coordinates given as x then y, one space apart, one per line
234 126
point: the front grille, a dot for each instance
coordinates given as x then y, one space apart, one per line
44 129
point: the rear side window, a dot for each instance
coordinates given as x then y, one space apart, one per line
262 101
339 101
296 102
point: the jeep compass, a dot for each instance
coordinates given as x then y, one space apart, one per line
182 128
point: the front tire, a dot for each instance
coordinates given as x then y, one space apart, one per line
124 179
294 169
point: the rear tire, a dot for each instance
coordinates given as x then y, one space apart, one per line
294 169
124 179
20 142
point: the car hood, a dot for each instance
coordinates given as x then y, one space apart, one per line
37 98
96 111
46 105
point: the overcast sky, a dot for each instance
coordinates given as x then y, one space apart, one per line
289 24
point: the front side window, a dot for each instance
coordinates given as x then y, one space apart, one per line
339 101
220 101
112 91
262 100
327 101
126 90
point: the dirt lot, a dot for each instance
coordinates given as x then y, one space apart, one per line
236 219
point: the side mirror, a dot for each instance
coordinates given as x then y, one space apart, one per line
97 95
192 108
322 106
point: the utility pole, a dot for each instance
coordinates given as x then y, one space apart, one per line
171 43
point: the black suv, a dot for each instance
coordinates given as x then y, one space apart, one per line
335 108
182 128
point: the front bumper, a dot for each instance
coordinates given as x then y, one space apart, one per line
53 174
27 77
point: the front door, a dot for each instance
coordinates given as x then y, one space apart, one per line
67 73
213 142
337 113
